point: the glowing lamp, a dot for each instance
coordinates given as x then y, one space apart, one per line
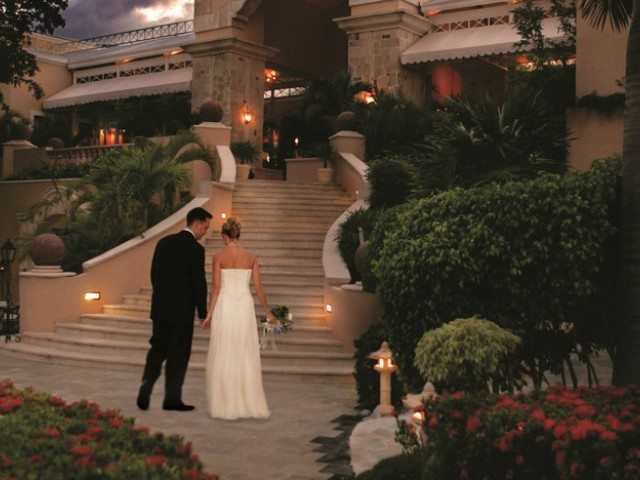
224 215
91 296
385 367
247 115
329 308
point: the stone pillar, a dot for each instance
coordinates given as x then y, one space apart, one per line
228 64
378 33
9 152
346 141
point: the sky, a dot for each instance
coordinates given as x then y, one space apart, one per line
93 18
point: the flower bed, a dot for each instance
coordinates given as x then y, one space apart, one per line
41 436
556 434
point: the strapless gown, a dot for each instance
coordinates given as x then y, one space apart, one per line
233 375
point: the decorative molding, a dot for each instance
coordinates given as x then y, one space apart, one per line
231 45
383 21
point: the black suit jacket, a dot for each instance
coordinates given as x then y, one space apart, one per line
178 279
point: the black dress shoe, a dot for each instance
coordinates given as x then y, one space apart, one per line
179 407
143 396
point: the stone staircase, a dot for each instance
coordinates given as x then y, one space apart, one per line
284 224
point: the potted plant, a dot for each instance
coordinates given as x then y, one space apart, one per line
246 152
325 173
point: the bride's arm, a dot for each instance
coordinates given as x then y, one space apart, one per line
215 290
262 296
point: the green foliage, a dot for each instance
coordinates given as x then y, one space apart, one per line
12 125
465 354
367 379
44 437
348 237
20 18
385 220
245 151
392 125
65 170
400 467
50 126
124 192
392 180
529 255
559 434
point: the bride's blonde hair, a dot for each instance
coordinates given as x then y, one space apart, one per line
231 228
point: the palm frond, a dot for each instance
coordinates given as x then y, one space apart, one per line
600 12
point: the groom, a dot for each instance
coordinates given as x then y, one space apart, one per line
179 288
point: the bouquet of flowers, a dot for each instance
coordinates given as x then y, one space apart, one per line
284 324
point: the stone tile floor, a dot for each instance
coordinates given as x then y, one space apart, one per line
279 448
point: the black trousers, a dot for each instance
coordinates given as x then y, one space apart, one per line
170 341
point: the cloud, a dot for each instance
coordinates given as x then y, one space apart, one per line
92 18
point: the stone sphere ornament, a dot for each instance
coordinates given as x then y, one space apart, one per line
346 121
211 111
47 249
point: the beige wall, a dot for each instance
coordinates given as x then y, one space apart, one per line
600 59
47 301
51 77
593 136
352 313
16 198
303 169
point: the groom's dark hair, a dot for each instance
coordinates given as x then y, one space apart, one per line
198 213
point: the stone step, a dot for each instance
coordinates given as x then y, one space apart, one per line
283 252
138 350
306 314
282 202
291 197
293 265
300 298
140 330
284 212
281 234
216 243
285 288
291 341
307 327
282 275
323 374
278 184
241 208
290 190
294 224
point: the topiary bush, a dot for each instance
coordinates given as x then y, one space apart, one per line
560 434
210 111
348 238
465 354
367 379
529 255
44 437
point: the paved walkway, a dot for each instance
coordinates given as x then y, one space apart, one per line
275 449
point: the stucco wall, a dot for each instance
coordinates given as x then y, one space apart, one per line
593 136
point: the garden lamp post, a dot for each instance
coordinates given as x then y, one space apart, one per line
7 256
385 367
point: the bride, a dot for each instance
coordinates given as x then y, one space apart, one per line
233 376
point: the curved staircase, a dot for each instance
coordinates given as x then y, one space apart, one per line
284 224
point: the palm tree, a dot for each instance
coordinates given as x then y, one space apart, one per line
620 14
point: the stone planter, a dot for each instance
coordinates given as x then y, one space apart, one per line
242 171
325 175
47 249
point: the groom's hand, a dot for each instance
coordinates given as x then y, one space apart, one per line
205 322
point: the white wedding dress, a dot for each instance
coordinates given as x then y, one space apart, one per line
233 376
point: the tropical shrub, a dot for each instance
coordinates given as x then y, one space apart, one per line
244 151
392 125
348 237
64 170
465 354
529 255
483 142
44 437
367 379
559 434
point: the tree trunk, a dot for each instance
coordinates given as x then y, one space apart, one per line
627 368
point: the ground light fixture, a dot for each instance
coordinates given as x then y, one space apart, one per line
385 367
91 296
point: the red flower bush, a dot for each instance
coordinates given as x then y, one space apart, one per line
559 434
41 436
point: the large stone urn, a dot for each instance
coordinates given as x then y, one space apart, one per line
47 251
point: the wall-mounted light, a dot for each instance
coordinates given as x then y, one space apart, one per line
270 75
90 296
247 115
328 307
224 215
173 52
